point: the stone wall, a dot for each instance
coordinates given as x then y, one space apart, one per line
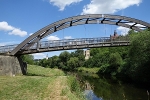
11 66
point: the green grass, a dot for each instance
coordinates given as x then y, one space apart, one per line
34 70
39 84
89 70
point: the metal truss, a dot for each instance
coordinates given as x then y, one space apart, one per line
123 21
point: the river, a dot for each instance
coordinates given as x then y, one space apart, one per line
112 89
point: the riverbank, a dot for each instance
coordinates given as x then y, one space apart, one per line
109 88
88 70
94 73
40 84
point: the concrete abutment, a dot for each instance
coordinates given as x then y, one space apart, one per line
12 65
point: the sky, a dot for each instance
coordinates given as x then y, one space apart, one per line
21 18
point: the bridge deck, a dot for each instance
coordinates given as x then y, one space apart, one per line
68 44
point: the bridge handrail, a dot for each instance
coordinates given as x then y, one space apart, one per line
7 48
64 43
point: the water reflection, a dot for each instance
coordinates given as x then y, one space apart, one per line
91 96
112 89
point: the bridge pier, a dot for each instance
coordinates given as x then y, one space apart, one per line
11 66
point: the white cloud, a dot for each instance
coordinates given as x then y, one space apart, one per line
108 6
67 37
18 32
63 3
4 26
52 38
39 56
123 30
30 34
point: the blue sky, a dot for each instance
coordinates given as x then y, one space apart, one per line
21 18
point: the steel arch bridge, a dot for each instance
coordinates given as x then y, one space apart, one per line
123 21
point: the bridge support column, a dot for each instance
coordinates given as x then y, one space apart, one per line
11 66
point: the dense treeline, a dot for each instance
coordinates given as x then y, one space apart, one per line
129 61
65 61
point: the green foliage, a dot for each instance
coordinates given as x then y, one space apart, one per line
54 62
123 51
29 59
66 61
72 63
45 62
115 60
79 54
139 57
64 57
94 51
101 57
104 69
93 70
75 87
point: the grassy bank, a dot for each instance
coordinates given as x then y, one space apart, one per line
88 70
39 84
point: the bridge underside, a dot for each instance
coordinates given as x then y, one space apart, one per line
75 46
123 21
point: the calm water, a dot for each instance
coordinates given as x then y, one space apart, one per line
112 89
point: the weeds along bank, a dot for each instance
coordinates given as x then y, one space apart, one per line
40 84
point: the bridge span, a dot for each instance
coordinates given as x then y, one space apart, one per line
123 21
33 43
68 44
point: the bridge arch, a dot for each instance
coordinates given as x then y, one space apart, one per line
123 21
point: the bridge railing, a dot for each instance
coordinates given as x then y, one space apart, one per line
70 42
76 42
7 48
66 43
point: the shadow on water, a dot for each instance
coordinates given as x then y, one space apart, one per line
112 89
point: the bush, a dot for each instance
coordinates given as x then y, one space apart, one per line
139 57
75 86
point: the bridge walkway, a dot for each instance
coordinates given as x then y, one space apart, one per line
67 44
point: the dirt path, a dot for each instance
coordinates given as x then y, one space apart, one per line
56 89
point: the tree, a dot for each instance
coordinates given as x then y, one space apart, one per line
111 68
94 51
80 55
100 56
45 62
55 61
72 63
64 57
29 59
115 60
139 57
